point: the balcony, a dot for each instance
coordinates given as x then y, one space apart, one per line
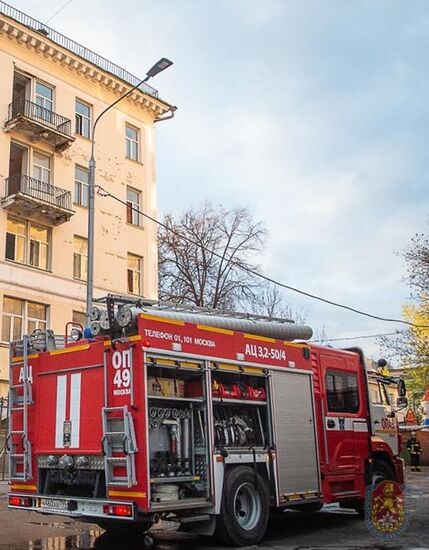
39 124
32 198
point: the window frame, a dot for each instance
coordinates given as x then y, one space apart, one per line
36 95
41 168
24 316
42 111
134 208
28 224
82 118
82 184
80 255
131 272
41 244
130 141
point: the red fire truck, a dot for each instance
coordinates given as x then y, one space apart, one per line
207 419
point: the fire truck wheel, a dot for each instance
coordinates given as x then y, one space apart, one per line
381 471
244 511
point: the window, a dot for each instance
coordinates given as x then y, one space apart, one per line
20 316
27 243
39 246
81 186
13 318
134 274
131 142
83 119
44 96
15 241
45 101
36 316
342 392
80 258
79 317
133 206
41 167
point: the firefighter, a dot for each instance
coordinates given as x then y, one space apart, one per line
415 449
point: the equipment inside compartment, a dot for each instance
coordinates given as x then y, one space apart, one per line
178 421
178 448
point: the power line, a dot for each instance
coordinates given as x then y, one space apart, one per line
356 337
104 193
58 11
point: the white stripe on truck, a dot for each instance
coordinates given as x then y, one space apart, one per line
75 409
61 411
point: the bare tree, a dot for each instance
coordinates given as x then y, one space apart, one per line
271 302
204 255
321 336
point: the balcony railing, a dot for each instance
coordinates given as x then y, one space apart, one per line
76 48
38 199
39 114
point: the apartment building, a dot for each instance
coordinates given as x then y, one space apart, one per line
51 90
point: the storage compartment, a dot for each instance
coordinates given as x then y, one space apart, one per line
165 387
231 386
240 408
178 443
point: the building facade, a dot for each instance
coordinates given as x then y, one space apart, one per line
51 91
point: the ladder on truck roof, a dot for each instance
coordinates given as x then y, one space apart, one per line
119 446
20 397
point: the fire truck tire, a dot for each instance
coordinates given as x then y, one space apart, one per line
381 471
244 510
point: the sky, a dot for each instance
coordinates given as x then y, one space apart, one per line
312 114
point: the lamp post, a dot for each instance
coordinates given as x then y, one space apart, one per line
160 66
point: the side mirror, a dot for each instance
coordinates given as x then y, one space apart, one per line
402 390
402 402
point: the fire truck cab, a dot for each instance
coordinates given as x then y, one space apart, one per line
206 419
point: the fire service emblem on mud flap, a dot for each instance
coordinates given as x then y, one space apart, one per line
387 510
67 428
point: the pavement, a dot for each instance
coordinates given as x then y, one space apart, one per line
331 528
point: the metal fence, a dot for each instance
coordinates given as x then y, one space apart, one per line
20 183
75 47
33 111
4 422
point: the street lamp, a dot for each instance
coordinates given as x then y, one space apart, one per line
160 66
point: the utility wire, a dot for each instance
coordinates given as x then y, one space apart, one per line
356 337
58 11
104 193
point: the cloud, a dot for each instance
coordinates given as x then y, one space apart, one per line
314 115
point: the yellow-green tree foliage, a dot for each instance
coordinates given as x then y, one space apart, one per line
415 350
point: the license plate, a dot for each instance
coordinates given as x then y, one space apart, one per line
53 504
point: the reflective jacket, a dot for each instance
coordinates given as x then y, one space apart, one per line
413 446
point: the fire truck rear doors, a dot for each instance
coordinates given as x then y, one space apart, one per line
294 432
68 405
